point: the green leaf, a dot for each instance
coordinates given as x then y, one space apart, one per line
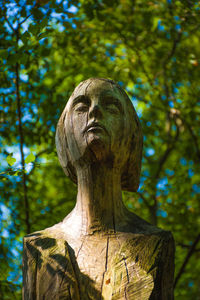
10 160
3 53
30 158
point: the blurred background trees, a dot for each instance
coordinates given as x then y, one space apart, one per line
151 48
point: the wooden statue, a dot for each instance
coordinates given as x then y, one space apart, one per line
100 250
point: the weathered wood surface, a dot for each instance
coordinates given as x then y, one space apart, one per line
110 266
100 250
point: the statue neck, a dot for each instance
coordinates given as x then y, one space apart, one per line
99 204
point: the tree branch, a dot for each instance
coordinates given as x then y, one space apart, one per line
195 140
190 252
26 202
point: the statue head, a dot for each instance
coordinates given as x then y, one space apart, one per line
99 123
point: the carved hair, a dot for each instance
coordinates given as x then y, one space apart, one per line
131 172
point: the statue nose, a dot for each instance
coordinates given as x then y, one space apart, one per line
95 111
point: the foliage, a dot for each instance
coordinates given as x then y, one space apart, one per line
151 48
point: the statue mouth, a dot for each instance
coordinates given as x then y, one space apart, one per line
94 127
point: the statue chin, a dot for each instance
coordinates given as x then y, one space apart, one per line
99 146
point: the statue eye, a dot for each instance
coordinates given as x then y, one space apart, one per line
81 107
112 105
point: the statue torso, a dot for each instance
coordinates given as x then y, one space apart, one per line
106 266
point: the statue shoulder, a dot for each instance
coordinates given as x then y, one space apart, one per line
48 255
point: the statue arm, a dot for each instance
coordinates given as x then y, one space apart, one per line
163 284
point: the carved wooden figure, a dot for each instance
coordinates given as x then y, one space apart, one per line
100 250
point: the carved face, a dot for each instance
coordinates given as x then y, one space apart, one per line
96 121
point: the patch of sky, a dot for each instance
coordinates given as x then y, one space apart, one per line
20 43
196 188
156 81
5 109
148 105
23 77
58 16
26 24
49 122
158 193
140 200
72 9
178 100
17 155
146 173
5 212
161 213
26 117
112 58
190 283
142 180
74 26
174 127
52 128
120 83
169 200
61 28
5 91
15 252
162 183
140 187
42 41
34 108
144 138
150 152
22 93
43 71
176 18
166 192
156 133
169 1
179 84
177 27
163 97
169 172
185 34
12 9
148 123
175 90
171 104
5 233
190 173
160 26
183 161
191 163
168 36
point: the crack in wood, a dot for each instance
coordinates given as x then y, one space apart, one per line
106 265
36 271
80 247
